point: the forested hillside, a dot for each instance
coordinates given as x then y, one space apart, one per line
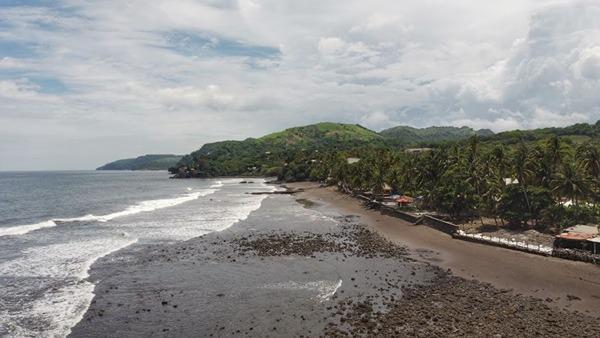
146 162
269 154
403 135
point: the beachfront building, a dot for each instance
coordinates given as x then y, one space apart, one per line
404 201
595 245
580 237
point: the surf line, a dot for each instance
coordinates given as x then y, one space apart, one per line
143 206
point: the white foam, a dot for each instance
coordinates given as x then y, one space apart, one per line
326 296
144 206
158 204
324 289
23 229
67 263
60 308
218 184
217 217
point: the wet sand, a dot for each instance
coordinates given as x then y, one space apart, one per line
565 284
302 266
279 273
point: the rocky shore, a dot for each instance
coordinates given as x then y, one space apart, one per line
445 306
350 239
452 306
295 268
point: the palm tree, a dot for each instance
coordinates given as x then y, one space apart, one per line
499 160
553 151
589 157
571 182
520 165
540 167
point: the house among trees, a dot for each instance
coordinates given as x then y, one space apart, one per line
510 181
581 237
404 200
352 160
417 150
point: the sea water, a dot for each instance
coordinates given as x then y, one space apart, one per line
54 225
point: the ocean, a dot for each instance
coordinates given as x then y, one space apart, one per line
55 225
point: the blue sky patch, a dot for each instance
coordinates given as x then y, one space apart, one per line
30 3
49 85
16 49
202 45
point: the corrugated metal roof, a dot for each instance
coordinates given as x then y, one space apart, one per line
584 229
575 236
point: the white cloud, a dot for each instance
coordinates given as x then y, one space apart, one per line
331 46
11 63
376 120
110 70
211 96
588 65
23 90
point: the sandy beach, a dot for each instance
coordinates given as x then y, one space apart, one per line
317 264
549 278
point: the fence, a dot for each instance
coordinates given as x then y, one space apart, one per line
453 230
400 214
438 224
576 255
505 243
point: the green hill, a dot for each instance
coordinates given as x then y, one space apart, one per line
321 134
404 135
267 155
300 146
146 162
577 133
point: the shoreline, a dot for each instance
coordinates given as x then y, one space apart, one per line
303 266
565 284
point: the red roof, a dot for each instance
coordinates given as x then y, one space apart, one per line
404 199
577 236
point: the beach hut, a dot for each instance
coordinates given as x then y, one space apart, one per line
581 237
595 245
404 200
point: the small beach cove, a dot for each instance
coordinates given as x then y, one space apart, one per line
306 268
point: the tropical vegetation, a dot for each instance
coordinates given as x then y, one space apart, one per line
145 162
546 178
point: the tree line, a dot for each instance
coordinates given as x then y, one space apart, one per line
547 184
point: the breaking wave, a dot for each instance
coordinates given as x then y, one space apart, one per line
143 206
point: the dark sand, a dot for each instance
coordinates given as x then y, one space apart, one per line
274 274
533 275
278 274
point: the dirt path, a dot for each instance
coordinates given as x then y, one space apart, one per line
566 284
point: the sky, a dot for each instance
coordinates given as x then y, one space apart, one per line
83 83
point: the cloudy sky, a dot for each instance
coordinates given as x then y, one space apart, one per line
86 82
